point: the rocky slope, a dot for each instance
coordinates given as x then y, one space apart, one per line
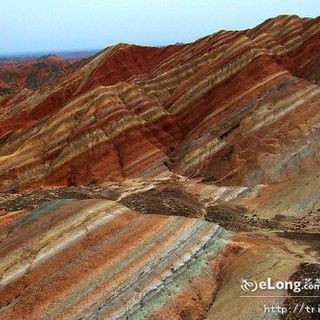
154 249
89 240
148 182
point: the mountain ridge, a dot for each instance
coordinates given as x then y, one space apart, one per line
152 92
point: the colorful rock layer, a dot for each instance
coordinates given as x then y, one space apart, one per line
96 259
233 107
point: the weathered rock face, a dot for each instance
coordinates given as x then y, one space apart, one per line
141 256
235 107
100 260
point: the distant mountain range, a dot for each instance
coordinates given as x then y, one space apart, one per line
31 72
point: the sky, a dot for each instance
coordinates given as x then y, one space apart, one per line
72 25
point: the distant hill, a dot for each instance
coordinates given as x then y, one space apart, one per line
33 72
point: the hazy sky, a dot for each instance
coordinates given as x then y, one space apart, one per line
60 25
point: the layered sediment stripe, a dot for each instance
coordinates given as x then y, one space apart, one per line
72 228
218 40
116 122
287 105
112 284
101 261
294 95
271 78
211 193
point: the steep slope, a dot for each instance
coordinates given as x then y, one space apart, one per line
87 239
141 256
